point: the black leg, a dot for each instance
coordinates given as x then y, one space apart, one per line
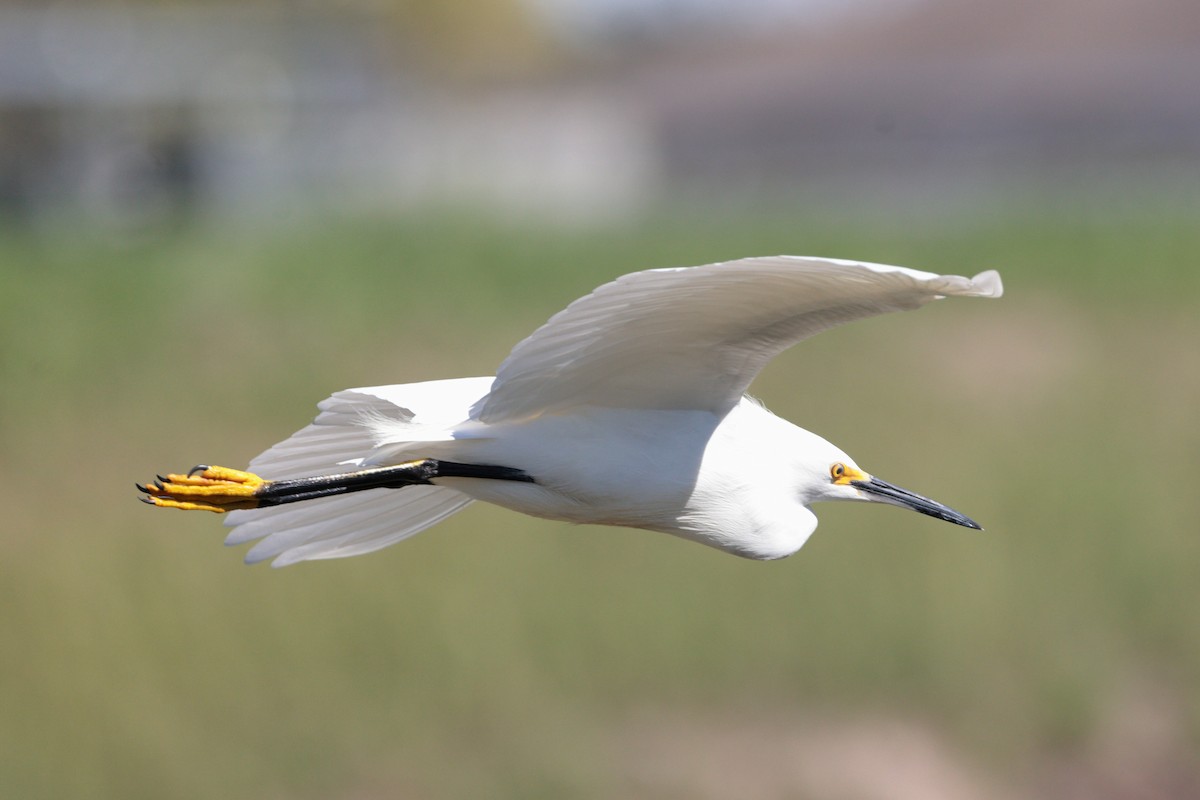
414 473
220 489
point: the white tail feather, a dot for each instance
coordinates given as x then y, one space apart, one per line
347 525
341 438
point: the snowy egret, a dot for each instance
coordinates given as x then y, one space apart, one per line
627 408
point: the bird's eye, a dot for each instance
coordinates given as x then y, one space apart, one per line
838 471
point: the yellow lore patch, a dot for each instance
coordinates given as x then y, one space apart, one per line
844 475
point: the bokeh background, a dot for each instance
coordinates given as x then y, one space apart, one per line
214 215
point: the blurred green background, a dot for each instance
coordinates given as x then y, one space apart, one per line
1055 654
509 657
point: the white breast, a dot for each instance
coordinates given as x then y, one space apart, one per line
724 482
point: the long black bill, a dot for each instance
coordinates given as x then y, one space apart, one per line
889 493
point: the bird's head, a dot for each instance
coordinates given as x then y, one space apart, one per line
827 473
843 480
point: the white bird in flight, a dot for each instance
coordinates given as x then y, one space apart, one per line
627 408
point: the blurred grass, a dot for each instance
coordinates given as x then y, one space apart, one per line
501 656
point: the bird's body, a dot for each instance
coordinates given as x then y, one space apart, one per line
726 481
628 408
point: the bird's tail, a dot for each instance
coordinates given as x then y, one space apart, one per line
340 440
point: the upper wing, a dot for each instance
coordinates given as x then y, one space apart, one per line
694 338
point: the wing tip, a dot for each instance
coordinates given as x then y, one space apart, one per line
987 284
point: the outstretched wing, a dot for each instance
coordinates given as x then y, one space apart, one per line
694 338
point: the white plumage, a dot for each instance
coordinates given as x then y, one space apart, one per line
626 408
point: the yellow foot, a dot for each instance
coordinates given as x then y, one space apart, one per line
205 488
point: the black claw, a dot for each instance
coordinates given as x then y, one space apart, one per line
147 500
159 486
161 479
197 468
142 488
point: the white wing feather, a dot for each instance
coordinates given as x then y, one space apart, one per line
694 338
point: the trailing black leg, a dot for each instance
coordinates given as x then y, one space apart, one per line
221 489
